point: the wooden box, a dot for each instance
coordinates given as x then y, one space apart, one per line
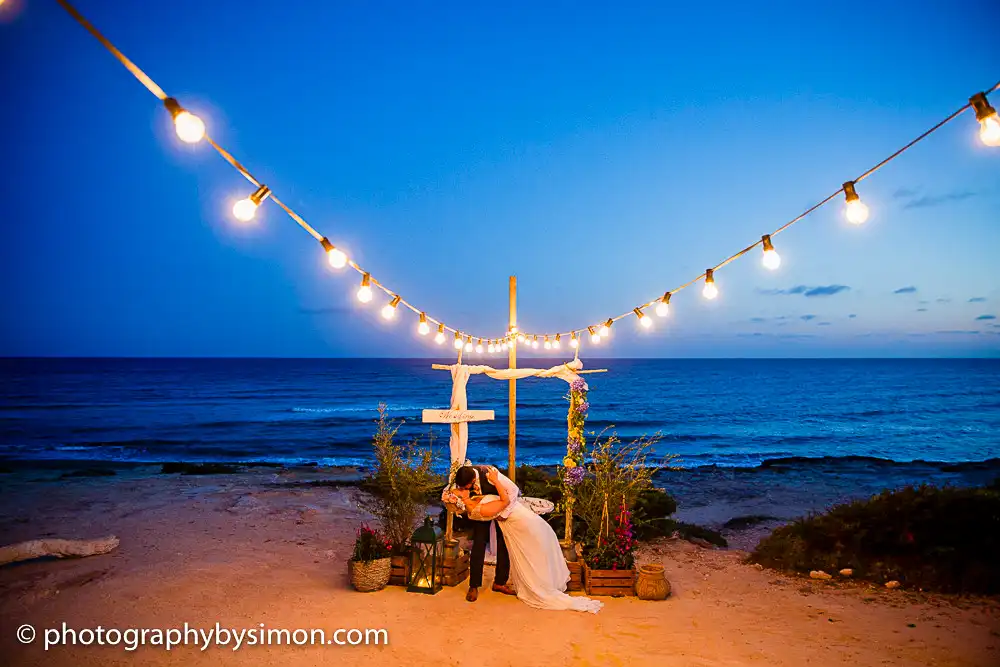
575 576
616 583
455 568
400 574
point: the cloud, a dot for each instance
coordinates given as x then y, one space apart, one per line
327 310
937 200
904 193
797 335
921 310
805 290
977 299
806 318
956 332
755 334
822 324
906 290
758 320
851 316
944 299
986 317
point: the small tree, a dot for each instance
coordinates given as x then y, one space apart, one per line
616 475
401 482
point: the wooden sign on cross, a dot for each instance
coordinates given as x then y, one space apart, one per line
456 416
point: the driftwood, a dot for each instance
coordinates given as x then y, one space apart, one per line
57 549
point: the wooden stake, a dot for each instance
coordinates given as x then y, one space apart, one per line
512 391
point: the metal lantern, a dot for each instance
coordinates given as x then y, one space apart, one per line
426 555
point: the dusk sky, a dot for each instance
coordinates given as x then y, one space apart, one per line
602 154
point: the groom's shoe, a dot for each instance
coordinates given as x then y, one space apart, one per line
472 595
503 588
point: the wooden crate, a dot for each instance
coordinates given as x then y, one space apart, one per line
455 569
575 575
400 570
616 583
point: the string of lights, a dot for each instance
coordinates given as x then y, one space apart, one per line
191 129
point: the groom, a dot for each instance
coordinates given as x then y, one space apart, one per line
474 478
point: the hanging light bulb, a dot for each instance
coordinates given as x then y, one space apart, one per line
556 344
389 309
189 127
520 338
646 322
479 346
504 346
458 341
989 123
595 337
856 211
573 342
439 336
365 291
710 291
334 255
423 328
468 344
605 329
245 209
513 329
772 259
547 344
663 305
491 348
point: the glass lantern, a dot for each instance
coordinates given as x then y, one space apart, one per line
426 555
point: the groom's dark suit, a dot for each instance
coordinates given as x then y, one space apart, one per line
481 536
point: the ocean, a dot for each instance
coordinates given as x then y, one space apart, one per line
844 426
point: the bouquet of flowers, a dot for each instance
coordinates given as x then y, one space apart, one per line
370 545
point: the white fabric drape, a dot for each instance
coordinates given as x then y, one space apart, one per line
459 440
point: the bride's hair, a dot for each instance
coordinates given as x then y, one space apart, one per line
465 476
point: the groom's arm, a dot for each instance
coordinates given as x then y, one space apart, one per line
508 492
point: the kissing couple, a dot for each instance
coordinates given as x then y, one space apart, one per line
528 550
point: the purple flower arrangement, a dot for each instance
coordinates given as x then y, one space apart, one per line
573 476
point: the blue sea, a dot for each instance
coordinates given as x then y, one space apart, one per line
773 437
721 413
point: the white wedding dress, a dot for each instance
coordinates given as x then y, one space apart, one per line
537 565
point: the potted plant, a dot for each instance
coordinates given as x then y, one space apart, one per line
400 485
370 564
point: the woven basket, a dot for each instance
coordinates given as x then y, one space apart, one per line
370 576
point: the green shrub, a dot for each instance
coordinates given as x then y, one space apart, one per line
401 483
938 539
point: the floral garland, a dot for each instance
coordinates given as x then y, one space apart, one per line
572 471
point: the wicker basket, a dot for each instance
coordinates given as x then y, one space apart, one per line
370 576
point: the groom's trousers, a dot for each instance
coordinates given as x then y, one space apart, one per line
480 538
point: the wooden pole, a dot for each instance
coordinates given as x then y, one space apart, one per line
512 391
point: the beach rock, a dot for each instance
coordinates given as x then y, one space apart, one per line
847 572
245 505
758 566
892 585
819 574
701 542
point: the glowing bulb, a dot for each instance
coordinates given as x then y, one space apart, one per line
605 329
439 336
663 305
189 127
245 209
334 255
856 211
548 344
365 291
423 328
458 341
468 345
389 309
520 338
573 342
710 291
771 259
479 346
989 123
513 329
491 348
595 337
556 344
504 346
645 321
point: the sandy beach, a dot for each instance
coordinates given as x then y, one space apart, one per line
270 546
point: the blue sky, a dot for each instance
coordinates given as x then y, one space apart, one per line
604 155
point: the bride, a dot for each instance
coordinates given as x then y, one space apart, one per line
537 565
